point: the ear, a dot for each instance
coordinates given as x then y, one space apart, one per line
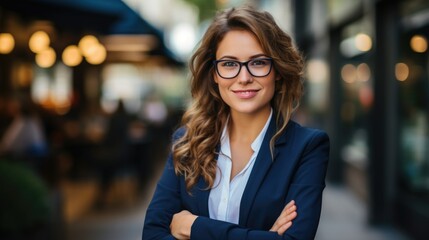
215 78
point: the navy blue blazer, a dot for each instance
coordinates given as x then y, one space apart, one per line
297 172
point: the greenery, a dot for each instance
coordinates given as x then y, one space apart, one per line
24 203
207 8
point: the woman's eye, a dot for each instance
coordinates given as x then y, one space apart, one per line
259 62
229 64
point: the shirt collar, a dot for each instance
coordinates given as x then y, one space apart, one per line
256 144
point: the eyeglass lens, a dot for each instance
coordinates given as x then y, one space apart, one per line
259 67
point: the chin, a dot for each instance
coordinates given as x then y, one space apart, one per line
247 109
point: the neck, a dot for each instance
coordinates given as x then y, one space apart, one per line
246 127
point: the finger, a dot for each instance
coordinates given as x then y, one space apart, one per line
286 219
290 209
287 212
283 219
283 228
275 226
290 205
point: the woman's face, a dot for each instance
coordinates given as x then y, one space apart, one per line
244 94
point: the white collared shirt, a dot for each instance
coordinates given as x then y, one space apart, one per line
225 196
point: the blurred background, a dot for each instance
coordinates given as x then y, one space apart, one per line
91 90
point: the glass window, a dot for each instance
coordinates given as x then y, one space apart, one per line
413 78
357 91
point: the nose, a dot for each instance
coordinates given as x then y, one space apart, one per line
244 76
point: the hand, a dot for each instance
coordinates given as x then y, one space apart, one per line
181 224
284 221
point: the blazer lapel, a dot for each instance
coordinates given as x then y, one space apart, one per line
262 164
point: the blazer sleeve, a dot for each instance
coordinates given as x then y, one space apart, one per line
205 228
306 189
307 186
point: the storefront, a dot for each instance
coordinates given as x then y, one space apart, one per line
378 103
413 113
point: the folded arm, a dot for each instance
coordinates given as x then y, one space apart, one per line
182 222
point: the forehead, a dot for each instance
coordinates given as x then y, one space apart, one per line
239 44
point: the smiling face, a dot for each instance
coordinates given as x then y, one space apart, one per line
244 94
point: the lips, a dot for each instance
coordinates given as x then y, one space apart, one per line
245 94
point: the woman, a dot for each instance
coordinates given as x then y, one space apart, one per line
239 164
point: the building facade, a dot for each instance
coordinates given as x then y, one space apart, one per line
376 104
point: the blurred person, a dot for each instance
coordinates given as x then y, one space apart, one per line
112 155
239 167
24 138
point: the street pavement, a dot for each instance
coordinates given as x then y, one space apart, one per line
343 218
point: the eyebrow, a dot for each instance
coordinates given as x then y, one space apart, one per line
251 57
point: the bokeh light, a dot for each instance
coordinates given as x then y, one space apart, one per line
348 73
87 45
72 56
46 58
419 43
363 42
402 71
39 41
7 43
98 55
363 72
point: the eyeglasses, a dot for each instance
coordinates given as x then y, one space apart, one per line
258 67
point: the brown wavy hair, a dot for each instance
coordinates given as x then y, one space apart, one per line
195 152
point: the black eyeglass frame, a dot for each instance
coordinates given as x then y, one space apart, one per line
215 62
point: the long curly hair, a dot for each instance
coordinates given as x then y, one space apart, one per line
195 152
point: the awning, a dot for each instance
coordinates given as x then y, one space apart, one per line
105 17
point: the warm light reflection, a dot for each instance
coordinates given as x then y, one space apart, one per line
363 72
348 73
88 44
130 43
46 58
98 55
53 92
419 43
366 96
39 41
317 71
23 74
61 89
363 42
402 71
7 43
71 56
356 45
